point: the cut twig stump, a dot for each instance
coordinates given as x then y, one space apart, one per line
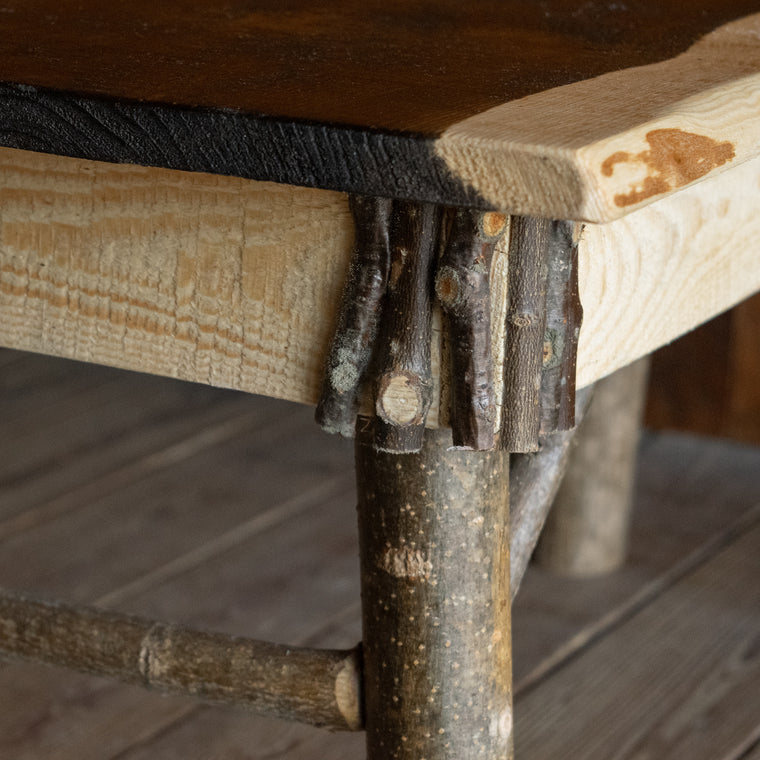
320 687
403 378
463 289
434 545
564 315
526 323
354 338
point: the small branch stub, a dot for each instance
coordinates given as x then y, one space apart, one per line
463 291
401 399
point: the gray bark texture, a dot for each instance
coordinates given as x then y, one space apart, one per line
434 546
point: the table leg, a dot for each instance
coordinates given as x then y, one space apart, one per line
587 530
434 543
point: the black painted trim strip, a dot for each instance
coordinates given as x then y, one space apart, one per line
231 143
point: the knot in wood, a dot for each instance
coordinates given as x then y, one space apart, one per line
448 287
407 563
523 320
400 399
493 225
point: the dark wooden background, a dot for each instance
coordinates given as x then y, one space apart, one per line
708 381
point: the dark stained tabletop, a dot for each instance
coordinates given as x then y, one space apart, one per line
326 94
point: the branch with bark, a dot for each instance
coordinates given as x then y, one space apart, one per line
319 687
525 328
382 339
564 315
463 289
360 310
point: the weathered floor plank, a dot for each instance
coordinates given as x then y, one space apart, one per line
678 680
252 530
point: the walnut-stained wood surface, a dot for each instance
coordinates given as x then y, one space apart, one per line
577 111
237 283
234 513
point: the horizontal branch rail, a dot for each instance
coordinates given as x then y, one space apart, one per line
316 686
321 687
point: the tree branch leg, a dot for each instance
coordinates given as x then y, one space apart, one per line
587 530
434 550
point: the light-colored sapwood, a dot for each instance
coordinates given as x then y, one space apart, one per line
237 283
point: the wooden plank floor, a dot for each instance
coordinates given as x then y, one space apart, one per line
235 513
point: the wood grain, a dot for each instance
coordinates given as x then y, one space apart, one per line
586 533
275 541
345 97
236 284
595 150
315 686
337 64
630 697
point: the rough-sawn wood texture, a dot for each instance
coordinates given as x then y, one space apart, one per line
235 283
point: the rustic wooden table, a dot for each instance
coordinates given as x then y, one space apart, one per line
184 187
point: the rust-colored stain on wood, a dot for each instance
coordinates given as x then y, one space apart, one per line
674 159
